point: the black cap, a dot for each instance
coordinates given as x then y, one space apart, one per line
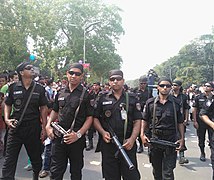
77 65
115 73
97 83
178 82
143 79
21 67
164 79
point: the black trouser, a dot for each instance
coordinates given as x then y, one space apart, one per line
30 137
61 152
212 151
163 163
201 132
113 168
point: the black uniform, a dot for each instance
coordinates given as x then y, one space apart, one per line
65 104
208 109
109 111
199 103
28 133
163 160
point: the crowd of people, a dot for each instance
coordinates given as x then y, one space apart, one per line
136 117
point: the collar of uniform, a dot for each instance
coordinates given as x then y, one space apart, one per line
79 88
169 97
19 83
111 92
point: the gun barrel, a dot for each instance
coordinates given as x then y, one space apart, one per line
58 128
123 153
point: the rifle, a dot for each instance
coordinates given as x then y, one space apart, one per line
162 144
120 148
59 131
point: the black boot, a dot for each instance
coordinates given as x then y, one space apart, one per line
90 145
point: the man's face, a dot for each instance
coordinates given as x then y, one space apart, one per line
175 87
74 76
164 87
116 83
143 85
207 87
28 71
2 82
15 78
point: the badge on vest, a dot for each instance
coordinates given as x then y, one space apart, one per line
107 113
107 102
17 92
123 111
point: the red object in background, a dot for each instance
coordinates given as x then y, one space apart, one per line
86 66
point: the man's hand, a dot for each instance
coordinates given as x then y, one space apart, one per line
196 126
129 143
49 132
145 140
43 135
181 144
106 136
11 123
70 137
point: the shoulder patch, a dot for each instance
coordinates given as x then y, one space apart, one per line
138 106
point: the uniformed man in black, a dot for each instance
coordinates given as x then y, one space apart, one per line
143 94
201 126
207 115
182 99
164 125
94 93
70 146
29 130
122 112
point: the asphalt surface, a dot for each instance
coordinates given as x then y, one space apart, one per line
194 170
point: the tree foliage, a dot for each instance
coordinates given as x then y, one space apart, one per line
193 64
57 30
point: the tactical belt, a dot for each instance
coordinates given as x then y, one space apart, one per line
160 132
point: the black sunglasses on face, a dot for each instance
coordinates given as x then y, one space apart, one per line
117 78
175 85
76 73
163 85
207 85
29 67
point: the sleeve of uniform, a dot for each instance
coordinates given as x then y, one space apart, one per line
195 102
206 110
43 99
9 96
98 110
146 114
185 101
56 103
137 109
180 118
89 105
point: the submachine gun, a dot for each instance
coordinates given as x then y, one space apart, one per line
120 148
162 144
59 131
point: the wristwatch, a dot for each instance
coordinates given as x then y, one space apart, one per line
79 135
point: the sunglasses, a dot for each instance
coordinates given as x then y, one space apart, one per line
175 85
76 73
115 78
29 67
207 85
165 85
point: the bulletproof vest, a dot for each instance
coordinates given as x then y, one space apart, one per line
63 104
18 95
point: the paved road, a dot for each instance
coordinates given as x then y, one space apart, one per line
195 169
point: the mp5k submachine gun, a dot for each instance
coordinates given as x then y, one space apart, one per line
120 148
162 144
59 131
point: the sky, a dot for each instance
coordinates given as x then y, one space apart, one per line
156 30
